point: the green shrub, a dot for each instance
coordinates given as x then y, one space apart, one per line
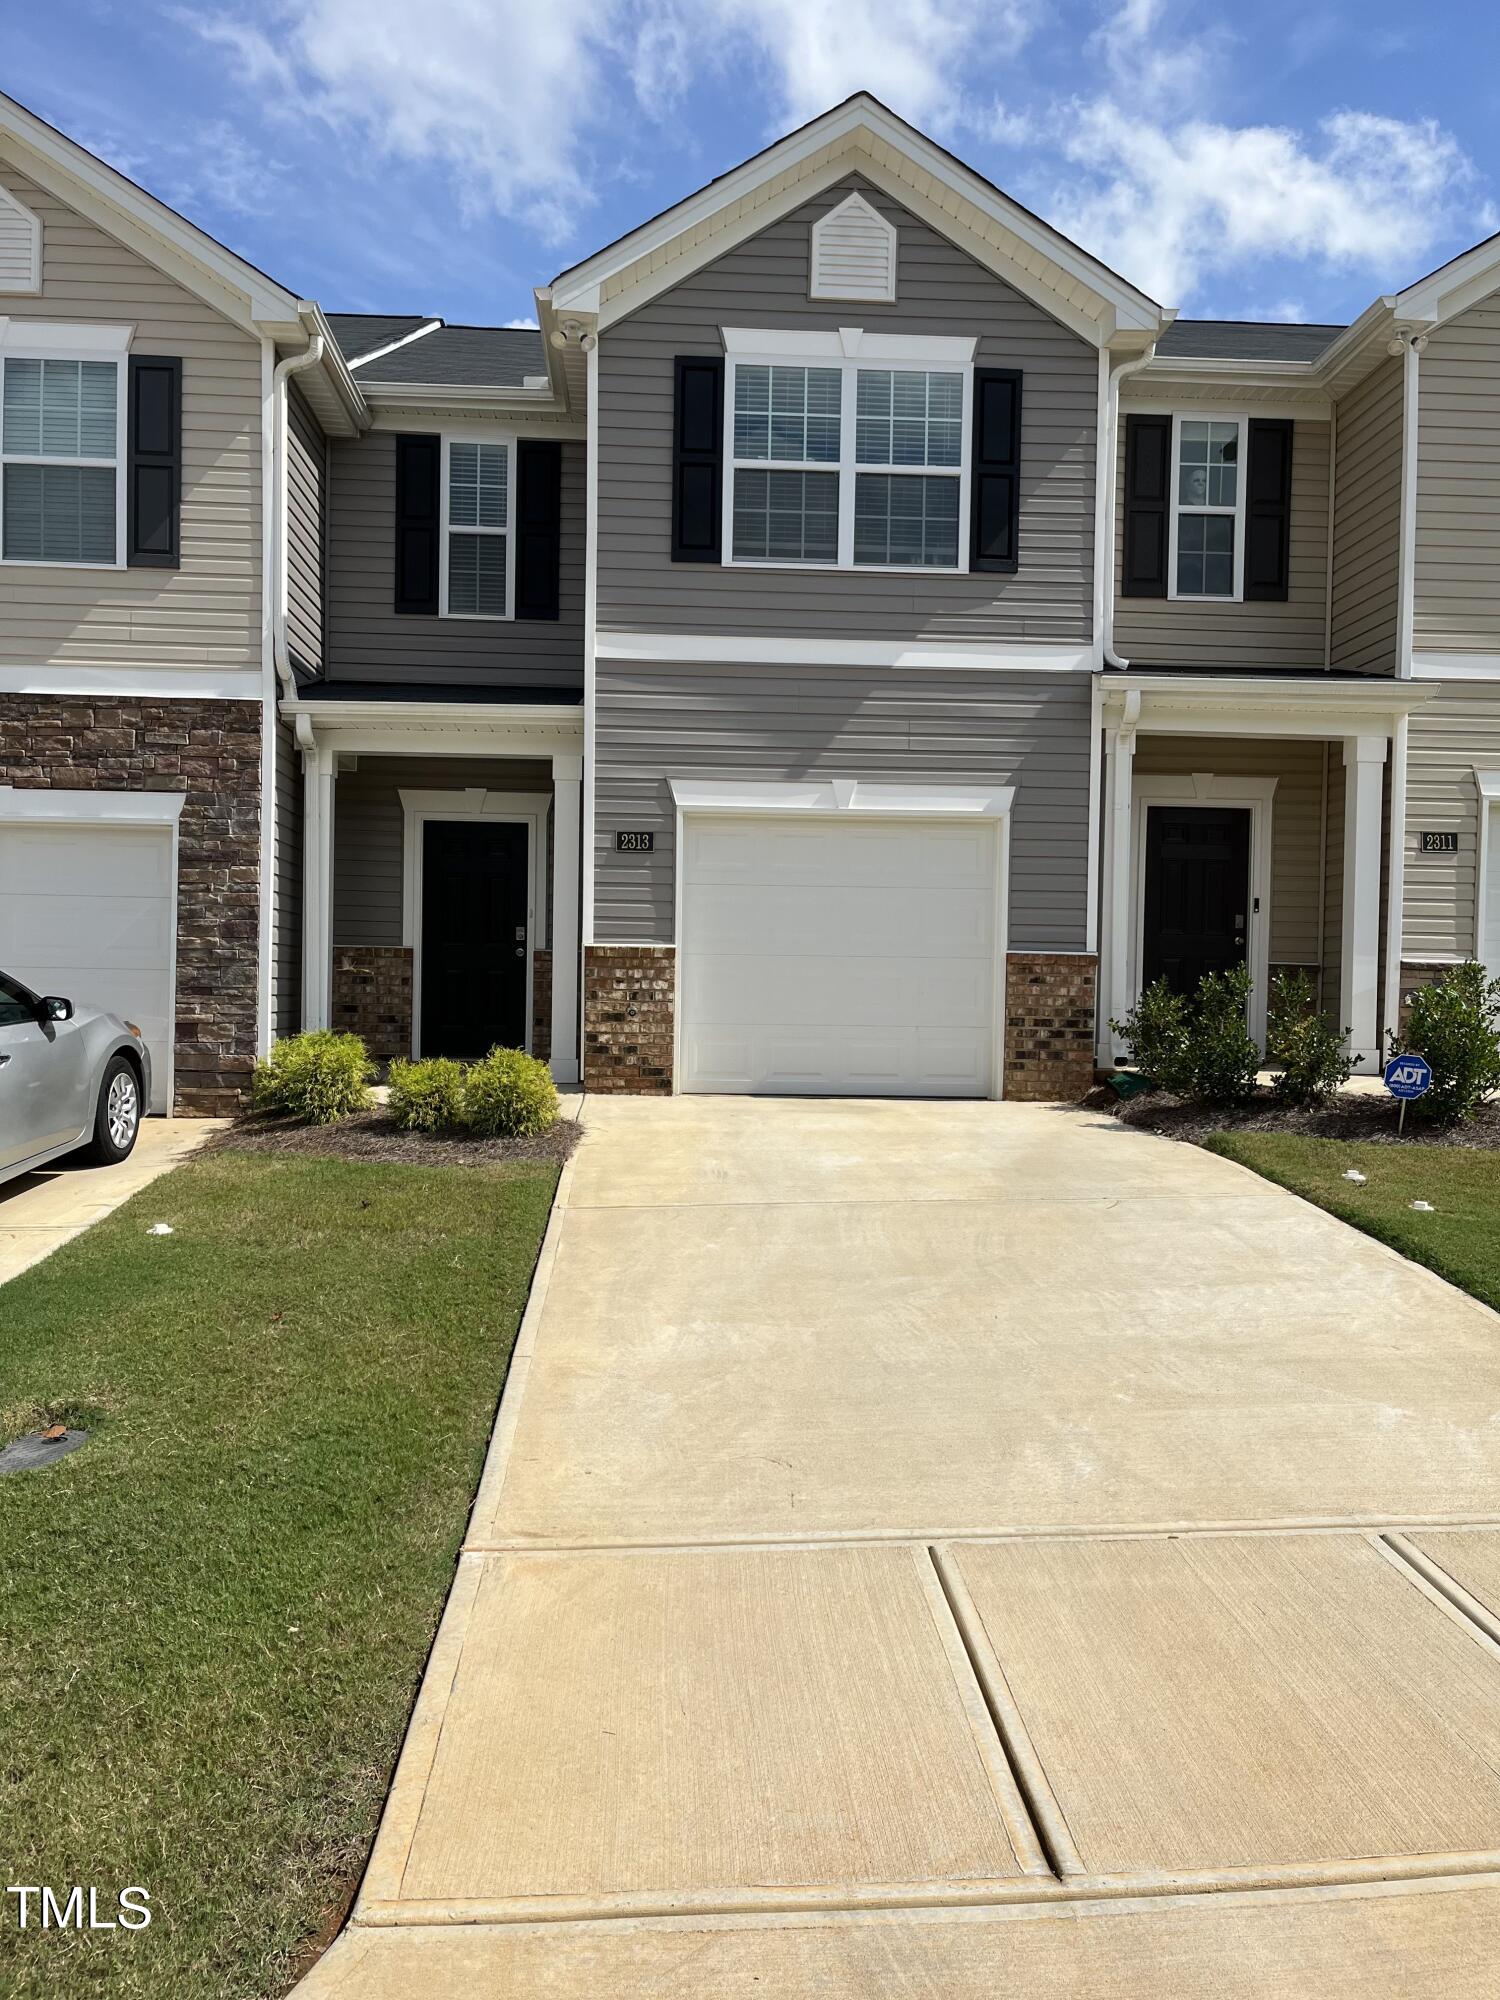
1305 1047
1453 1027
427 1096
508 1095
314 1078
1199 1048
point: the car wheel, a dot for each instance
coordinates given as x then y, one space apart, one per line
118 1117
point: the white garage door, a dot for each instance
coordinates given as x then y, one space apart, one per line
87 912
852 957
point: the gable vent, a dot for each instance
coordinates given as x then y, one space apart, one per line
853 253
20 246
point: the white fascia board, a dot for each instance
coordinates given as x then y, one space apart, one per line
68 806
1155 403
459 396
1488 784
842 796
71 337
848 343
473 716
1295 705
1453 288
713 649
155 232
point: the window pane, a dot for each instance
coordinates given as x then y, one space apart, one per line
787 413
1207 463
96 409
786 516
59 513
23 408
1205 555
908 417
476 575
477 485
906 521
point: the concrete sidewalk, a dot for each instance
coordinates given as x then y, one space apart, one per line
948 1550
42 1210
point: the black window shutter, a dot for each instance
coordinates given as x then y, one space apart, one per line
995 506
419 467
1148 488
153 476
698 459
538 528
1268 509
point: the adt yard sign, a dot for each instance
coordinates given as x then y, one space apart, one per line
1407 1077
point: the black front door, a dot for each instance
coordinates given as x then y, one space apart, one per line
1197 893
474 938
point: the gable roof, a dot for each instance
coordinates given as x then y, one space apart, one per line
931 182
1245 340
496 357
362 333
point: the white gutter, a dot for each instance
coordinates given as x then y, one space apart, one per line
293 365
1104 554
1408 343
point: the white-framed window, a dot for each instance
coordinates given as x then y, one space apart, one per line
1207 548
477 558
62 460
847 452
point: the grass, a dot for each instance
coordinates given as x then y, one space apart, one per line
1460 1240
214 1616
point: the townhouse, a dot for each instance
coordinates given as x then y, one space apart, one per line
852 645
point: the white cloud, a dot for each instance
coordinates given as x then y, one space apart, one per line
522 325
1152 59
1171 206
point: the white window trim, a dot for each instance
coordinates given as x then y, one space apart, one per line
44 342
508 439
849 349
528 809
1487 784
1242 424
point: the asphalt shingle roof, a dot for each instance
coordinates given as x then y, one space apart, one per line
1244 340
362 333
491 357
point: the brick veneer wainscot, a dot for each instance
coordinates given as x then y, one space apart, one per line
209 751
371 990
629 996
1049 1025
541 1005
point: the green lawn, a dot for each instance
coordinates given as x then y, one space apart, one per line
1460 1240
214 1616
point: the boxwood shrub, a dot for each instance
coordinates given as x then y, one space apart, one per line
508 1095
314 1078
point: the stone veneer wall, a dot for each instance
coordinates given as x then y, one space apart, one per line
372 996
541 1005
629 999
1049 1025
209 751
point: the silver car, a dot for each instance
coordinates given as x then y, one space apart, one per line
70 1077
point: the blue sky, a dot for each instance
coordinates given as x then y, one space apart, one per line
1278 160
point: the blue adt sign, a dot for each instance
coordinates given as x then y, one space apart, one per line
1407 1076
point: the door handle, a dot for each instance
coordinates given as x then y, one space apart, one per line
520 951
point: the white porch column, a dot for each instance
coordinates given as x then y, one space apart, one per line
1115 986
1359 982
567 807
317 877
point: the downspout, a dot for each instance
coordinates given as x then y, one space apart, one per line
1117 375
285 370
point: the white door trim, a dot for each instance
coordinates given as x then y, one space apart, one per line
1253 795
58 806
1487 783
528 809
855 798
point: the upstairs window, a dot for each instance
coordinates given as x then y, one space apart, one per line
852 463
61 462
477 561
1207 558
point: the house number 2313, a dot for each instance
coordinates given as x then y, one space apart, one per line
627 842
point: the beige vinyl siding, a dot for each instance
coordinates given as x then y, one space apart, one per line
784 722
1367 523
1296 820
370 825
369 641
207 614
304 524
763 284
1448 739
286 942
1457 594
1188 632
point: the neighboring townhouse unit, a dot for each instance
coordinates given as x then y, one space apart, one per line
720 687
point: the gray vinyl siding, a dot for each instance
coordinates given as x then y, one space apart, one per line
304 524
1450 738
286 942
369 641
207 614
1296 821
659 722
1333 887
1457 593
369 829
1188 632
1367 523
763 284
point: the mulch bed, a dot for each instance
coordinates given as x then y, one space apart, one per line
1353 1118
371 1136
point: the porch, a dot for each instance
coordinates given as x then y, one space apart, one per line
441 870
1246 819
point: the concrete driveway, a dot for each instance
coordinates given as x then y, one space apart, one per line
958 1550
